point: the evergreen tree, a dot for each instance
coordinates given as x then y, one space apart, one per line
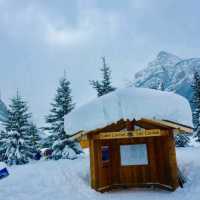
182 140
62 105
3 139
65 149
17 146
161 86
103 87
34 136
196 104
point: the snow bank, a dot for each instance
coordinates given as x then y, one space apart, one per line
69 180
2 165
129 103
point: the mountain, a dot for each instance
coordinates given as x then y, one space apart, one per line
169 72
3 111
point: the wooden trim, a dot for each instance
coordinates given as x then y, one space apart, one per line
179 124
169 124
78 135
119 125
131 134
136 185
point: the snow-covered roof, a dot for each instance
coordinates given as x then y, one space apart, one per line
129 103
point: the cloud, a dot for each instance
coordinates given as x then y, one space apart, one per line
25 23
36 23
91 25
67 36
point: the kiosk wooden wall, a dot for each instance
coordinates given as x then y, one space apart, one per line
158 137
161 168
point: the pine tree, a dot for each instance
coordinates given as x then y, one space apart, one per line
103 87
17 146
196 104
62 105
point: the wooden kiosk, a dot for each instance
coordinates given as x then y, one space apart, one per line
130 133
134 154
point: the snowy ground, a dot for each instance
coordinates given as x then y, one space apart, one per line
69 180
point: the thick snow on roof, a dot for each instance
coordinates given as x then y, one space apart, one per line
129 103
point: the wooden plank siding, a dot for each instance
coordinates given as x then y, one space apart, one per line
161 168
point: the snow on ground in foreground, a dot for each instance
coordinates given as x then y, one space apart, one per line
129 103
69 180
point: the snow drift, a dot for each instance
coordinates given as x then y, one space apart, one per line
129 103
69 180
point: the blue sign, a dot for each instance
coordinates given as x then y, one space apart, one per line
3 173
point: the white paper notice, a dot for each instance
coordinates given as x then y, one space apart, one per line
134 154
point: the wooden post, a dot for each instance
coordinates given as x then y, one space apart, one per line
172 162
92 164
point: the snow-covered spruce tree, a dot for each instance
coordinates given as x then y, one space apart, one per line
35 139
105 86
17 146
3 139
59 141
196 104
182 140
161 86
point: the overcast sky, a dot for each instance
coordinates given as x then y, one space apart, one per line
39 39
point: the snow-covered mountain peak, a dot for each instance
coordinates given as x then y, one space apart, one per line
173 73
164 59
161 69
163 55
